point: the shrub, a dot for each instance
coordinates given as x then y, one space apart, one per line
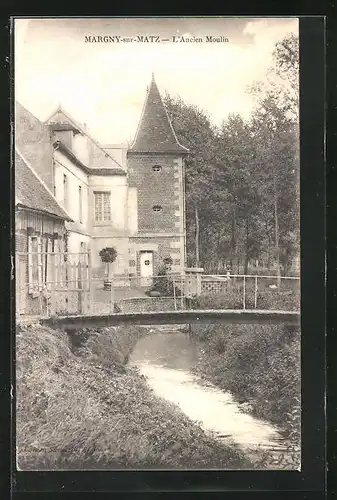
233 299
75 412
259 364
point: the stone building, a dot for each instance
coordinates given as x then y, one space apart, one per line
130 198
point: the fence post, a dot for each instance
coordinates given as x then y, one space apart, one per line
174 294
181 293
244 291
89 278
112 305
255 293
79 285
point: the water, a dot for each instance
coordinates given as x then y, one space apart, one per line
165 359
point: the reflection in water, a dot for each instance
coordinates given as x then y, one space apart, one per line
165 360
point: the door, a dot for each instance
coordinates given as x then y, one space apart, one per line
146 268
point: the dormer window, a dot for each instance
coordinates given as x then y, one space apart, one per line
157 208
156 168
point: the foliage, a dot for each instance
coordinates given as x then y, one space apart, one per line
259 365
249 169
108 254
233 299
77 411
163 283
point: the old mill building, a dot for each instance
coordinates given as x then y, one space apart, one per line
131 198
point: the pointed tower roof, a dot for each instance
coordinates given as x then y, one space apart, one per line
155 133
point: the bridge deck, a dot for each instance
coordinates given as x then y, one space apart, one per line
175 317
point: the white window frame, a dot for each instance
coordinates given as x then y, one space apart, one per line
103 219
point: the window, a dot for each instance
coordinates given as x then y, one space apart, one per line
156 168
80 207
157 208
102 206
65 191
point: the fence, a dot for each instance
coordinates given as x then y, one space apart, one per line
52 282
63 285
251 291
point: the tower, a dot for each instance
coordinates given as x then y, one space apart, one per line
156 181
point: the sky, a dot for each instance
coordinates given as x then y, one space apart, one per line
104 84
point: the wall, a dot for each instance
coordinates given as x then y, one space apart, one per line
75 178
120 266
118 152
149 304
156 188
165 229
162 247
74 243
117 186
80 148
40 225
132 210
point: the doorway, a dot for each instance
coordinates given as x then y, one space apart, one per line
146 268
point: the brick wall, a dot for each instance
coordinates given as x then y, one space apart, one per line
162 247
210 286
155 188
149 305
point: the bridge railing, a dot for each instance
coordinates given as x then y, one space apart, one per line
82 294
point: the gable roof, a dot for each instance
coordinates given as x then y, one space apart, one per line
58 144
155 133
32 138
60 120
32 193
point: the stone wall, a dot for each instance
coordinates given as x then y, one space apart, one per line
149 304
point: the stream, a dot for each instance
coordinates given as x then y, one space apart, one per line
165 358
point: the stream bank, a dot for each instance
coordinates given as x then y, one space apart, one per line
82 409
167 359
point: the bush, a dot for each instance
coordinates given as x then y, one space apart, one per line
233 299
259 364
75 411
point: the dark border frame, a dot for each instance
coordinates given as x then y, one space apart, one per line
312 478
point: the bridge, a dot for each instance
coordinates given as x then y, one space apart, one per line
228 316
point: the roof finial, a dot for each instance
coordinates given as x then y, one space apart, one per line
152 76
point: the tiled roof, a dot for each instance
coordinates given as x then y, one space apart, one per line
31 192
91 171
98 157
32 138
155 133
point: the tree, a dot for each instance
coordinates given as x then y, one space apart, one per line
242 199
108 255
195 131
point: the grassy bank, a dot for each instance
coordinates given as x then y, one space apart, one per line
287 300
78 406
259 365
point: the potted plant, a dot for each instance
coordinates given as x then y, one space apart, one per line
108 255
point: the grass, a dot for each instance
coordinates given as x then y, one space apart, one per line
259 365
233 299
80 407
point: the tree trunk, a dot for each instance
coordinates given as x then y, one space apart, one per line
233 236
269 246
277 245
247 248
197 231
